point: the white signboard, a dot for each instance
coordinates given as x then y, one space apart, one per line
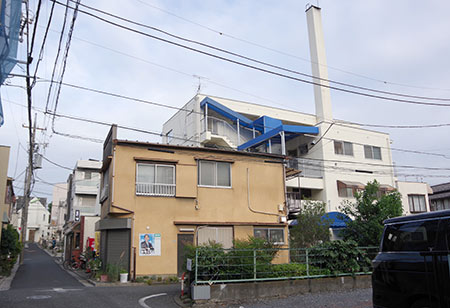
189 264
149 244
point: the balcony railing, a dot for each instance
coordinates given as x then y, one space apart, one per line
150 189
294 202
309 168
221 127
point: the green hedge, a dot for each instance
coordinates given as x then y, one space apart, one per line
9 250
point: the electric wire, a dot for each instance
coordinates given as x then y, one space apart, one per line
256 67
222 33
255 60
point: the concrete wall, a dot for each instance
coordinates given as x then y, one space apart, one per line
194 205
413 188
235 292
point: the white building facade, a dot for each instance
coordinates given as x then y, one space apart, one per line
336 158
59 210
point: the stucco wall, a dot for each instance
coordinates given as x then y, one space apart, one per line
194 204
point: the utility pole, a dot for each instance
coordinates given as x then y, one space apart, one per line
32 134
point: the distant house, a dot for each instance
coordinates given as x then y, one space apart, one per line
440 199
59 210
38 219
158 198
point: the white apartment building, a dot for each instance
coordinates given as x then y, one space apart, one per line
83 207
336 158
37 221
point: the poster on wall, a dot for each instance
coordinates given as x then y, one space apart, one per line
149 244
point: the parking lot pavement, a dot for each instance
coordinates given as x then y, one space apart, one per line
352 299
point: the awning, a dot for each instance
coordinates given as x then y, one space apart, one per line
352 184
386 187
337 219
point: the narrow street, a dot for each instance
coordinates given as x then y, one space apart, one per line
40 282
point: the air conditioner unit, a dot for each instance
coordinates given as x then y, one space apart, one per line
282 219
303 149
281 207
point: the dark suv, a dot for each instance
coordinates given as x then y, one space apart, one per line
412 268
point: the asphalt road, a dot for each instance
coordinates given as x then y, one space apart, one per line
40 282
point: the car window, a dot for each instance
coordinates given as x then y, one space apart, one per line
410 236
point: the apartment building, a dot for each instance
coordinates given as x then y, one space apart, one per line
37 220
83 207
7 197
158 198
336 158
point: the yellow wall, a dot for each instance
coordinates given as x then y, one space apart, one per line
4 160
192 202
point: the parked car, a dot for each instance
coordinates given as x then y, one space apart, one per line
412 268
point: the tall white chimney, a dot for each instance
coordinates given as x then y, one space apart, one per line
319 64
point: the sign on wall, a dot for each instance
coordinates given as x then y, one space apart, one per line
149 244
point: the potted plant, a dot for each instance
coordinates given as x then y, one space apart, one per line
123 275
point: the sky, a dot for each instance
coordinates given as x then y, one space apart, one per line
398 46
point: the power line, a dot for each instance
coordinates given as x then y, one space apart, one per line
35 25
56 164
257 61
255 67
221 33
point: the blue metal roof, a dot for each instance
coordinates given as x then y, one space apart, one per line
226 112
288 130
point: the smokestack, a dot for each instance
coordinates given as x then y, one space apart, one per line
319 64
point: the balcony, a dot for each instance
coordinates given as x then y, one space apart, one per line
220 131
295 204
309 168
150 189
87 187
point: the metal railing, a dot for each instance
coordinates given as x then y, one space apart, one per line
247 265
310 168
222 128
151 189
295 203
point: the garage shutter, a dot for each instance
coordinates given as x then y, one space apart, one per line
222 235
118 242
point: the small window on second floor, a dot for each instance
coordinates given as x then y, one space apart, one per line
372 152
417 203
215 174
155 180
87 175
343 148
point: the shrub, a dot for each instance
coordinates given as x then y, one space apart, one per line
340 257
9 250
113 272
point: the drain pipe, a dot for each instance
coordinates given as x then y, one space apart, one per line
248 198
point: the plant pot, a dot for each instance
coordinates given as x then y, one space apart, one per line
123 277
104 278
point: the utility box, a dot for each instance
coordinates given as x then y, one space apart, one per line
200 292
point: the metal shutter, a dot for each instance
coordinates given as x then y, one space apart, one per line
118 242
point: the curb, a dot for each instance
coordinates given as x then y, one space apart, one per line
180 303
5 283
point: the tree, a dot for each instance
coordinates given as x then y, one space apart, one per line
368 213
311 228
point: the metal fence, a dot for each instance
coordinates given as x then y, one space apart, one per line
245 265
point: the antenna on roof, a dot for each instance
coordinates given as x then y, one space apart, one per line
199 87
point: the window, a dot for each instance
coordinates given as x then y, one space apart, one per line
216 174
411 236
88 201
417 203
87 175
155 180
220 235
272 235
347 189
343 148
372 152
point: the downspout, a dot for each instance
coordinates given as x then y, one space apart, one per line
248 199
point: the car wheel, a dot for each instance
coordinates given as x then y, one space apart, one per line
423 303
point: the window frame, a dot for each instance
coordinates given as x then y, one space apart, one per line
155 178
268 230
372 153
413 208
343 148
199 173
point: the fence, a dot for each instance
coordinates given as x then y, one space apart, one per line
246 265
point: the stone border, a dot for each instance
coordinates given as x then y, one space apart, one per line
241 292
5 283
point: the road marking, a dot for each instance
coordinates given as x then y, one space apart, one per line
142 300
38 297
